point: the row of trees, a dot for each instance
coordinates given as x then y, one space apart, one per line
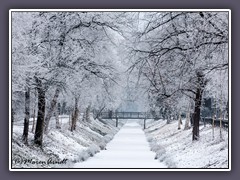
181 57
64 55
173 60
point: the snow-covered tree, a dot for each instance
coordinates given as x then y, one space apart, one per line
60 45
177 52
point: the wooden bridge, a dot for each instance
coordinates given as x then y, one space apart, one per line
147 115
127 115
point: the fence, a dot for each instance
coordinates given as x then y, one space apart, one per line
209 120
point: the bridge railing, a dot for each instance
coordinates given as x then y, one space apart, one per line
147 115
126 115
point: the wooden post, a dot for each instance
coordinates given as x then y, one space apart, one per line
144 124
116 121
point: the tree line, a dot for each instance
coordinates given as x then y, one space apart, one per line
172 60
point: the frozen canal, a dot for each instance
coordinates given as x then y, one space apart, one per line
128 149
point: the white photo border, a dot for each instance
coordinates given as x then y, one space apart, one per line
118 169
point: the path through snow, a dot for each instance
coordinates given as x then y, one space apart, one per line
128 149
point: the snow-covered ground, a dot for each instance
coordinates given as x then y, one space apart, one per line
99 144
176 149
60 144
128 149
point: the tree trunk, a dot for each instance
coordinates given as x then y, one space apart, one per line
198 102
75 115
12 114
187 121
98 113
57 117
51 110
70 114
179 121
63 109
88 113
213 125
214 118
33 125
34 113
168 118
27 116
196 115
221 116
38 137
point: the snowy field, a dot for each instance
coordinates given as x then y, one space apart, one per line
128 149
84 142
176 149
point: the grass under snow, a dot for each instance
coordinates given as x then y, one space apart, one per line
177 150
60 144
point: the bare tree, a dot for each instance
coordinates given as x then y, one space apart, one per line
38 137
57 110
75 115
51 109
27 115
175 53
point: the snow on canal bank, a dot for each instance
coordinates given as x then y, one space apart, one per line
128 149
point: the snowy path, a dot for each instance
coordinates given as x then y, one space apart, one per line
128 149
